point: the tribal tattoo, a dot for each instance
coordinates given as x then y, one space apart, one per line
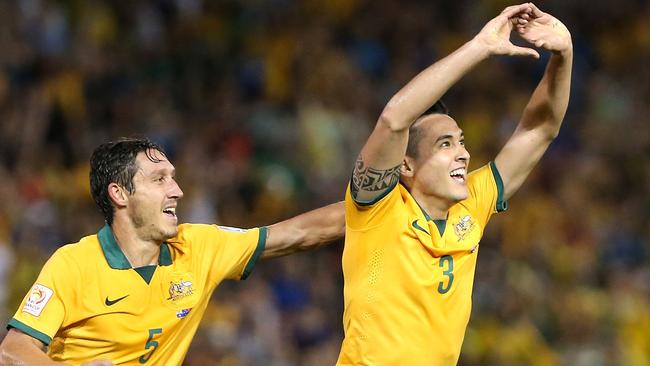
365 178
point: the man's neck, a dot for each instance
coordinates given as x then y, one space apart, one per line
137 251
436 208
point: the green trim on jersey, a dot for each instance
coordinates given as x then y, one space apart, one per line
116 258
146 272
13 323
165 256
376 199
261 244
501 204
441 224
426 215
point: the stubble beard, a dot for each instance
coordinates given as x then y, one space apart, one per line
151 230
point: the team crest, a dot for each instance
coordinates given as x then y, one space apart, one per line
464 227
180 290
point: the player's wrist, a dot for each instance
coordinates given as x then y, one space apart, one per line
566 51
479 47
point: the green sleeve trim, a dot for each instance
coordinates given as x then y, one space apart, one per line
501 205
376 199
14 323
261 244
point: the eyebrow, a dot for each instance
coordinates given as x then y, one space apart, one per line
163 171
444 137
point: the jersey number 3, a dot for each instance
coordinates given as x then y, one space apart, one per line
150 344
448 262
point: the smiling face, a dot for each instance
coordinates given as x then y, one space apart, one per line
152 205
440 168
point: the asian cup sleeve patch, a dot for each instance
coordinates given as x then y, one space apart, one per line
37 299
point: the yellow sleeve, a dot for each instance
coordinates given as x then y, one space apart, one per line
485 193
43 310
225 252
361 216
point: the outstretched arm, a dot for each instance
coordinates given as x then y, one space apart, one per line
307 231
377 167
542 117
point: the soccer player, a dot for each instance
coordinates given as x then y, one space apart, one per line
414 215
135 292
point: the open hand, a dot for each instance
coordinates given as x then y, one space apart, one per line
495 35
543 30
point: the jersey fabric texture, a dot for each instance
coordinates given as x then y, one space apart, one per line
89 303
408 279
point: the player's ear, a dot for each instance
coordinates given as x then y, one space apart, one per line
406 169
117 194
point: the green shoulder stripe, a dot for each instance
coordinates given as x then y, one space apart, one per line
261 244
14 323
501 205
383 194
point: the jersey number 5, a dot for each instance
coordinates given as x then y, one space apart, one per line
446 261
150 344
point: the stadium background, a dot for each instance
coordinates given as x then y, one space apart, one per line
263 106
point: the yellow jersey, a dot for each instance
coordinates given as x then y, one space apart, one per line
89 303
408 279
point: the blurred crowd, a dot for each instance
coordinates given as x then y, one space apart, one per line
263 105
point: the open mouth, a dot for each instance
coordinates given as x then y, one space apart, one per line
170 211
458 175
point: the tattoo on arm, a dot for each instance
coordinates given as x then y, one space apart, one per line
365 178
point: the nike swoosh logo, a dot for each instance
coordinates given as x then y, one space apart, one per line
113 302
417 226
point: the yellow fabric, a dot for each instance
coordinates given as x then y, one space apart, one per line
407 288
147 326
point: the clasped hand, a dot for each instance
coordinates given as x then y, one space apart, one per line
533 25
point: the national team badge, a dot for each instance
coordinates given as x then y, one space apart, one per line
464 227
37 299
179 290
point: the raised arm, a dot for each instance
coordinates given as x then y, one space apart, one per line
377 167
306 231
542 117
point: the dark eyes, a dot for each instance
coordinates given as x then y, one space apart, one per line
448 144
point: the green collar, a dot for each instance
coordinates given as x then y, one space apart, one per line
116 258
440 223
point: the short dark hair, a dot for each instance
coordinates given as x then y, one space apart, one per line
114 162
415 132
